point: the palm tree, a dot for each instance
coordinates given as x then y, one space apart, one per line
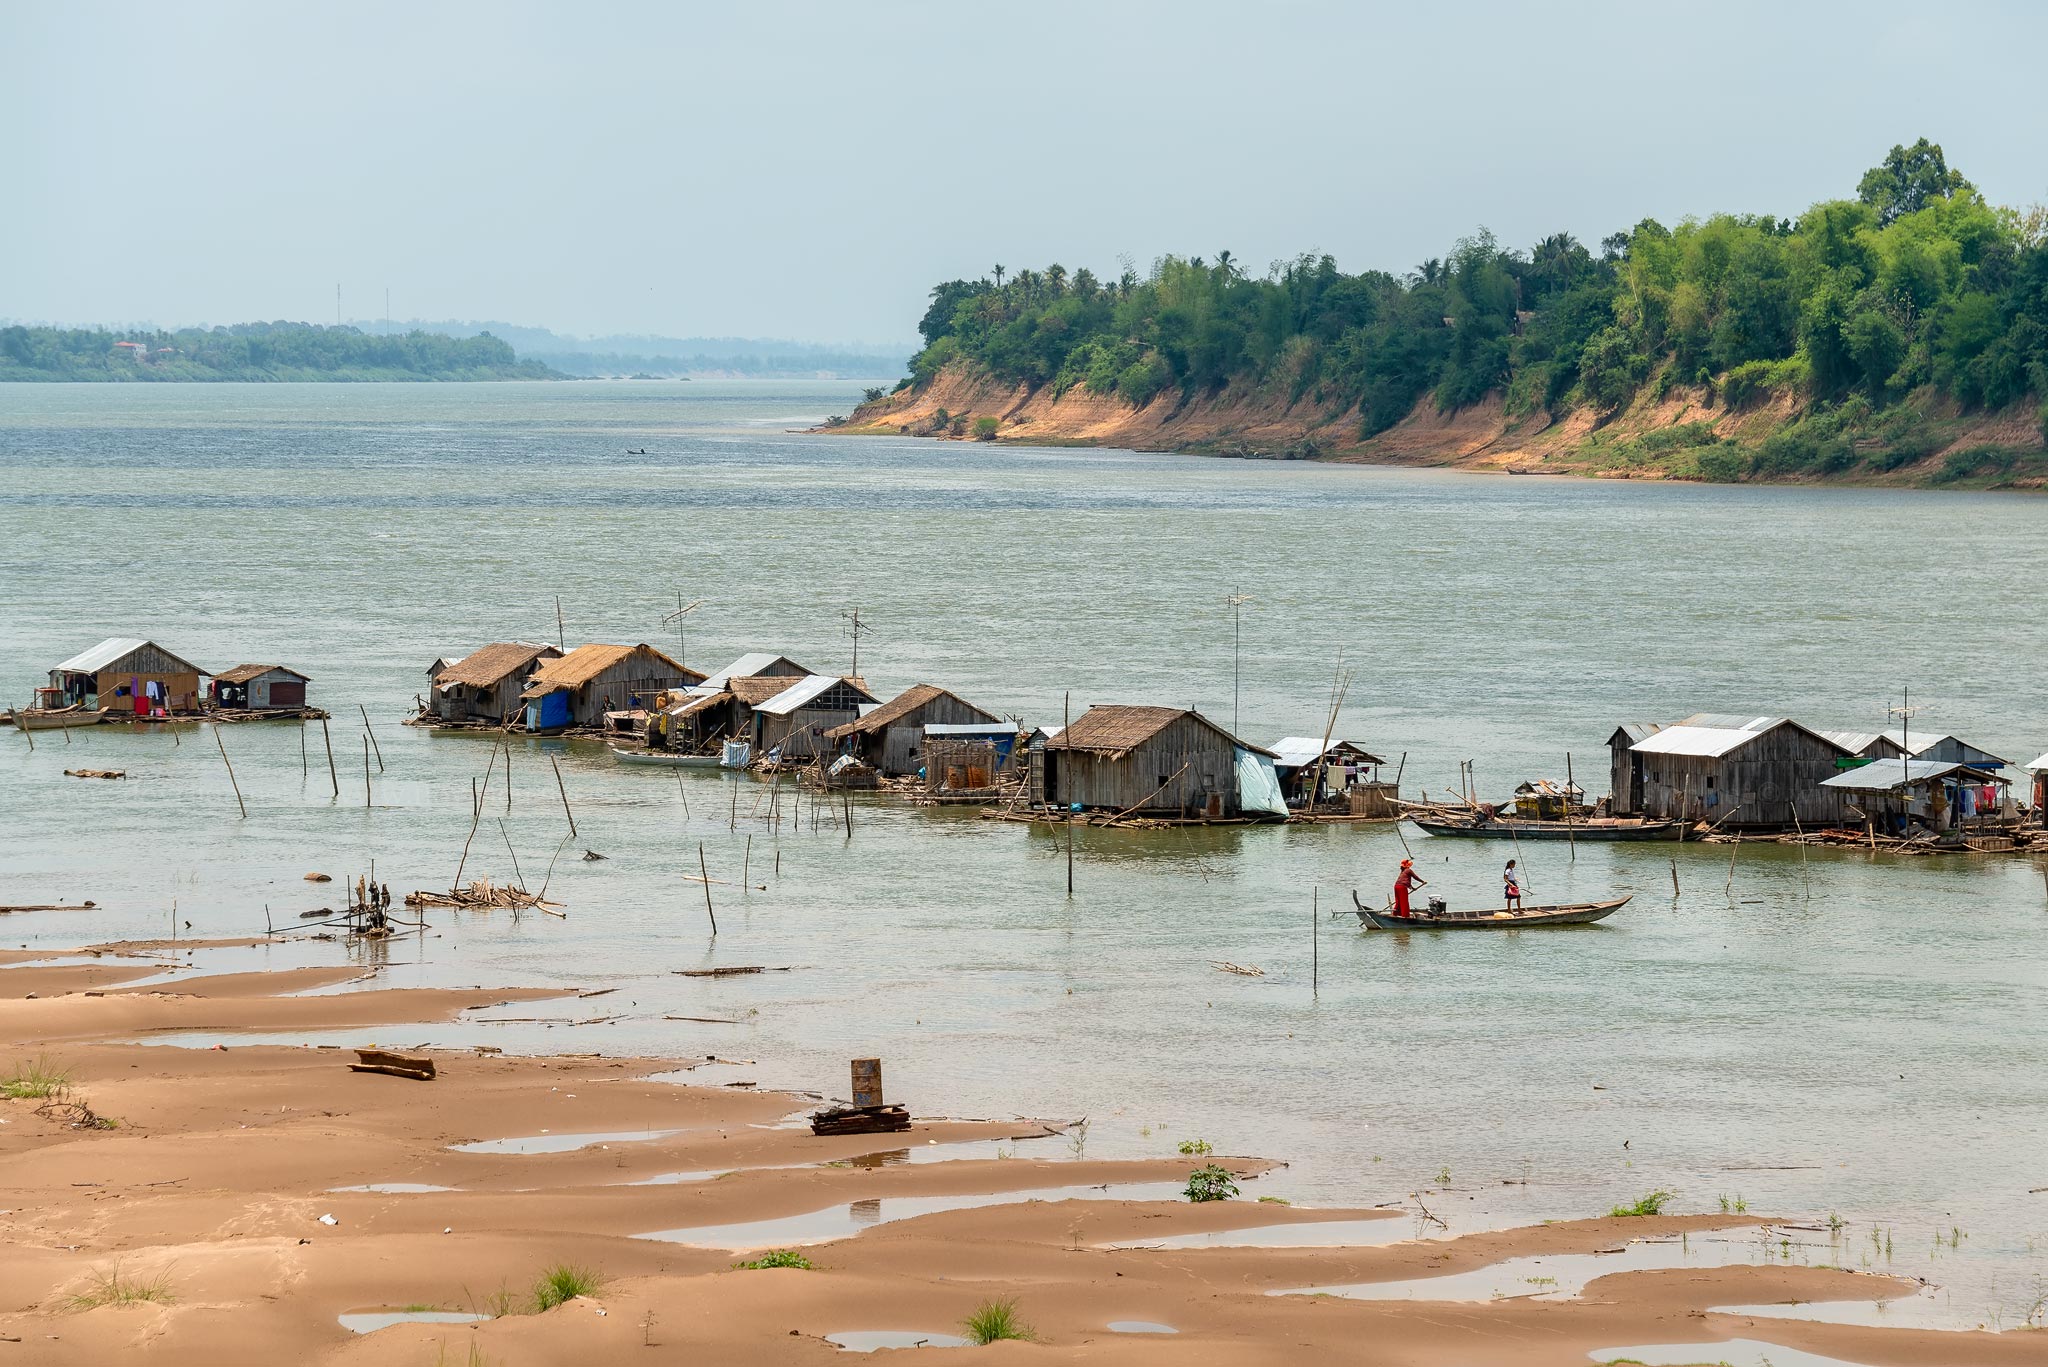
1056 279
999 276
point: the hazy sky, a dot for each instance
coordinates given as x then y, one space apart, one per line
809 171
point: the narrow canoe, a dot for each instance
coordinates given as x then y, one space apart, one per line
56 718
1508 828
666 758
1493 918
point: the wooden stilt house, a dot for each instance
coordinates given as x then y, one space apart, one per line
890 738
484 685
124 674
1156 761
1766 773
576 690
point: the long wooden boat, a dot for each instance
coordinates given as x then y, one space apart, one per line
1493 918
1522 828
57 718
666 758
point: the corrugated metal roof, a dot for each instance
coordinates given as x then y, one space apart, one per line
746 666
1855 742
1638 731
2038 765
1688 739
799 693
1922 744
1730 721
100 656
971 728
1298 752
249 673
1884 775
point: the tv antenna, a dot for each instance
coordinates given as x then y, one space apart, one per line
855 629
1904 711
681 618
1235 602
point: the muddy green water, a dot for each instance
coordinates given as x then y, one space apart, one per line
1846 1033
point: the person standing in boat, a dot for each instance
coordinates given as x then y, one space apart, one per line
1511 878
1404 884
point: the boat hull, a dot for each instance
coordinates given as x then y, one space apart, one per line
30 720
664 759
1497 918
1550 830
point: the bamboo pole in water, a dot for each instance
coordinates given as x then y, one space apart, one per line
327 739
372 735
231 773
366 771
705 870
563 788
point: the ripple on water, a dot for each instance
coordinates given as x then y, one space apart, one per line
1929 1308
844 1221
870 1340
559 1143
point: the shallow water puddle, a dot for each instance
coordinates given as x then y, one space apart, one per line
869 1340
1731 1353
1297 1234
933 1152
389 1188
1140 1327
844 1221
1557 1276
560 1143
1927 1309
370 1321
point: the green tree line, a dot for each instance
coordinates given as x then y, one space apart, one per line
1916 285
255 351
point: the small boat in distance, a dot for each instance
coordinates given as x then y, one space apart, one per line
1526 828
1492 918
666 758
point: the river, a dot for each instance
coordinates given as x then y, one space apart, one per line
1840 1033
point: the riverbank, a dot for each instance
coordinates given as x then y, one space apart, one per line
1682 434
233 1203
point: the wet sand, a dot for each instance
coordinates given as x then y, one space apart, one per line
221 1163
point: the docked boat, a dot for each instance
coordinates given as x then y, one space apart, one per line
1525 828
1492 918
57 718
670 759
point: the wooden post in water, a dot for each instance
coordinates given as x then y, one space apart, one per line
366 771
1066 720
1674 879
231 773
372 735
561 637
305 770
563 788
1570 840
327 739
705 870
1315 941
746 862
846 805
21 722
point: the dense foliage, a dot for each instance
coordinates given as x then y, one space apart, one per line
1917 285
255 351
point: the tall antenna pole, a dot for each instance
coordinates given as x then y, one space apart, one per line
1235 602
337 303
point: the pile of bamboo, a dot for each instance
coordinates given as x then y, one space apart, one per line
480 894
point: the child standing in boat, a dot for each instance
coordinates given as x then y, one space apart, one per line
1512 879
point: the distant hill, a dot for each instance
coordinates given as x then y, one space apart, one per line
643 354
257 351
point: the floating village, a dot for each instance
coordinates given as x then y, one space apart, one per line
1706 777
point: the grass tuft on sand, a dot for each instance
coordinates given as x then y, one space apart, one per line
562 1283
35 1080
777 1257
994 1321
109 1287
1652 1204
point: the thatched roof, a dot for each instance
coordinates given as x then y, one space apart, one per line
755 689
1114 730
246 673
586 662
901 706
483 668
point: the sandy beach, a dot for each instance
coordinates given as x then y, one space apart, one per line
209 1216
